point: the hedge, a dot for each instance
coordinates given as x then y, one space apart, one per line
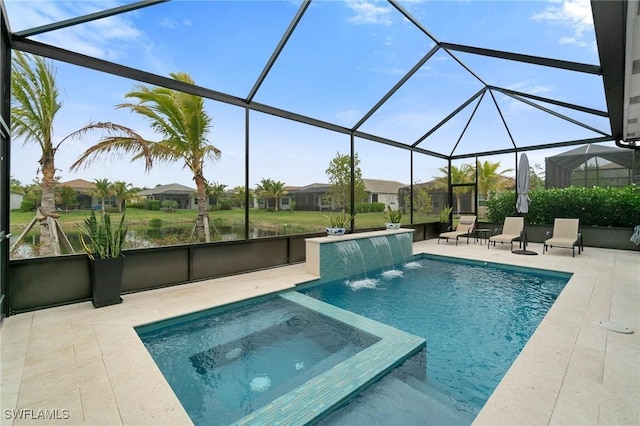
593 206
369 207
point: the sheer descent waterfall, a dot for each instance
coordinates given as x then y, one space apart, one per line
352 255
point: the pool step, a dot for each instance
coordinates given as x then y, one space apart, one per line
391 399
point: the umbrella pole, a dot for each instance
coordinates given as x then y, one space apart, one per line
522 200
524 242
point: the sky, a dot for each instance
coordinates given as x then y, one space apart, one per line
343 57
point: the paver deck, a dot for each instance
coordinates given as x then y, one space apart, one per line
87 365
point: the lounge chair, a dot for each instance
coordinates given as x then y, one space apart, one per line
511 231
465 228
565 235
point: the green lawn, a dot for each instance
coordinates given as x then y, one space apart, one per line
301 220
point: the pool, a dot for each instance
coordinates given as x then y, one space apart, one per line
475 316
225 363
307 355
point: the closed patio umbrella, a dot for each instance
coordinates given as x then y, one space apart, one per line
522 202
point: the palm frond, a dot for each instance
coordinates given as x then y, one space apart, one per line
34 98
116 140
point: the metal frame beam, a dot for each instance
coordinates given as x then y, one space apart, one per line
74 58
5 160
518 57
449 117
422 28
610 23
533 147
504 122
274 56
557 114
466 126
551 101
397 86
87 18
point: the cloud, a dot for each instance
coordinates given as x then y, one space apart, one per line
389 70
350 116
369 13
105 38
172 24
517 107
532 88
573 14
169 23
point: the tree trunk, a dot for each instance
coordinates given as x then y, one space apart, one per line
202 223
47 204
277 203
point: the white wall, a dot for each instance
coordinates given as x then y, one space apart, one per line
14 201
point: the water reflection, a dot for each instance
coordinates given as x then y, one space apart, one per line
148 237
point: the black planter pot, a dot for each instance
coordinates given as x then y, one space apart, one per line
442 227
106 281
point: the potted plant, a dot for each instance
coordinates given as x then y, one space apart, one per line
103 243
338 223
445 215
393 218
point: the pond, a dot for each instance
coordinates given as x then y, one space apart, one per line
144 236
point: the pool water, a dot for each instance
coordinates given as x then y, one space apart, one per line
476 318
224 364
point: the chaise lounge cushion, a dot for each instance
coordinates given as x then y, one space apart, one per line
465 227
565 235
511 230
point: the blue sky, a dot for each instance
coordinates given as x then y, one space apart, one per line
342 58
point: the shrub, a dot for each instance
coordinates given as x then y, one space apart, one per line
377 207
363 207
27 205
593 206
369 207
152 204
169 205
137 205
226 205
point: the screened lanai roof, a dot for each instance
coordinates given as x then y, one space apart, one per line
577 156
406 74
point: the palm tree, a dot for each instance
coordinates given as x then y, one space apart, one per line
34 105
102 191
215 190
34 96
278 191
489 180
264 190
238 193
182 122
123 191
462 174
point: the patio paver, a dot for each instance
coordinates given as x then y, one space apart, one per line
90 362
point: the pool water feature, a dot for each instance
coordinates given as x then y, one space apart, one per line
354 255
475 316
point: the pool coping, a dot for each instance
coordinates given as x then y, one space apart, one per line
325 392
